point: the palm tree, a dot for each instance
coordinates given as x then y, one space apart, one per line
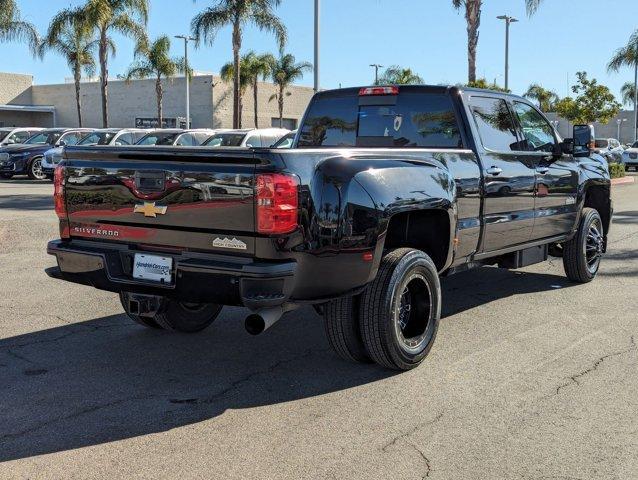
238 13
154 61
126 17
627 56
258 67
227 74
284 72
473 19
396 75
628 93
546 99
12 27
77 45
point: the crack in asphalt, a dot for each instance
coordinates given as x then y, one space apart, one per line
426 460
574 379
405 435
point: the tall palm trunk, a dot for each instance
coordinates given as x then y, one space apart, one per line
160 96
77 76
281 106
473 18
104 74
255 96
236 71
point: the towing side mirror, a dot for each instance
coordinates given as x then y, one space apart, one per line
583 140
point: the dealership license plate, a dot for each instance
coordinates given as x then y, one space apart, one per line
153 268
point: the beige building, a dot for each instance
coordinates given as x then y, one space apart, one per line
24 104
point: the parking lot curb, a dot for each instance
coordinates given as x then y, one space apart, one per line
622 181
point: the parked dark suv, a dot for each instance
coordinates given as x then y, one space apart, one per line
26 158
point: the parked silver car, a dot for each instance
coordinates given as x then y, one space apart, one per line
14 135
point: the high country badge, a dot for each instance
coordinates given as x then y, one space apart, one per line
227 243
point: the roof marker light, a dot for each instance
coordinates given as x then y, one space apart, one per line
368 91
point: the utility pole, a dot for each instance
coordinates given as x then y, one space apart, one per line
376 67
508 21
186 39
317 12
636 101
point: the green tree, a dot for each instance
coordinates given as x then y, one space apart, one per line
546 99
154 61
593 102
76 43
258 67
238 13
284 72
484 84
472 10
227 74
13 28
396 75
627 56
104 17
628 93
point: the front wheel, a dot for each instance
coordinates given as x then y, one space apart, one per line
400 310
35 170
582 254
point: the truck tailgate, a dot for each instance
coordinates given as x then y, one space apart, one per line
185 198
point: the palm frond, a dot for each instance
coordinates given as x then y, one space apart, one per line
206 24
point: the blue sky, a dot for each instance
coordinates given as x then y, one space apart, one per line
427 35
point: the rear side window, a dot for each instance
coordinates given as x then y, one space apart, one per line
409 120
495 124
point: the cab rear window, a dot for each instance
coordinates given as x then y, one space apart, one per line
408 120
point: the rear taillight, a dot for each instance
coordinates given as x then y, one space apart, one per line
58 192
367 91
277 203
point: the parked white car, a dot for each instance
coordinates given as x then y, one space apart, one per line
610 148
176 137
630 157
13 135
102 137
250 138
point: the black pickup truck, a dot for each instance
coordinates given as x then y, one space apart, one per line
385 190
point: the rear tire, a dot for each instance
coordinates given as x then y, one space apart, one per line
400 310
341 319
582 254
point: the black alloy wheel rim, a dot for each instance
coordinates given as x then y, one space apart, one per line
413 313
594 245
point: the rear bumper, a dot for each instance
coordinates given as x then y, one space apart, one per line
197 277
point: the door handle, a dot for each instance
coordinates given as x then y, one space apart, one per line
542 170
494 171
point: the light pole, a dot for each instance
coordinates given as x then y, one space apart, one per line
508 21
376 67
186 39
619 122
317 11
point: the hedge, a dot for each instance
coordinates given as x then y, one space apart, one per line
616 170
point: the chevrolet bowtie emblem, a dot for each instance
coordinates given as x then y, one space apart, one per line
149 209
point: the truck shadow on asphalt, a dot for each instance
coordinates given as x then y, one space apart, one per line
103 380
27 202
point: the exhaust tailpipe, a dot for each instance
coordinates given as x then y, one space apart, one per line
262 320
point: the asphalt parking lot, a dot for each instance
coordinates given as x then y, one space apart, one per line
531 377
